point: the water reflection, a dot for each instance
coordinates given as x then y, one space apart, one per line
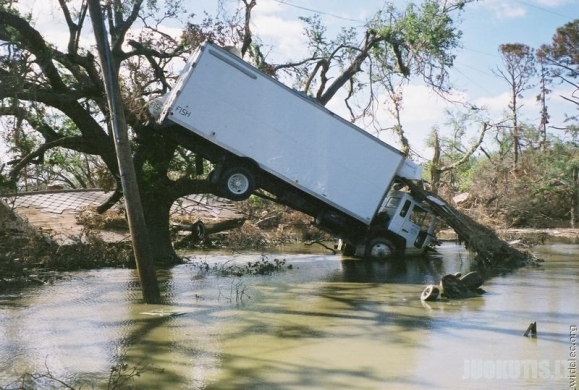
326 323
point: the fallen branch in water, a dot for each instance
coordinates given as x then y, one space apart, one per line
322 244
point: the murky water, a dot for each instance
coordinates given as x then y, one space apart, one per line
326 323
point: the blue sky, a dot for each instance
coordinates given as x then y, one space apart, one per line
487 25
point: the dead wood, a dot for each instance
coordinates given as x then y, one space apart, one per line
490 250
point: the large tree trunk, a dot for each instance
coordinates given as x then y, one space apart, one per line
157 211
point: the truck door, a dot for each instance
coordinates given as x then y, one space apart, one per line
412 222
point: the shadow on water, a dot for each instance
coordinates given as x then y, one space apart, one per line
410 271
427 269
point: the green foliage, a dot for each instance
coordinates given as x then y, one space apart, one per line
431 29
316 33
6 185
421 39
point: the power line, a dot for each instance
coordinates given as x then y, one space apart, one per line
470 79
482 52
317 11
473 68
545 10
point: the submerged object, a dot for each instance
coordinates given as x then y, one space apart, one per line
430 293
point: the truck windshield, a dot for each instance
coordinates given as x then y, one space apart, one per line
391 205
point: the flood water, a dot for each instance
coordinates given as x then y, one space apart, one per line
328 322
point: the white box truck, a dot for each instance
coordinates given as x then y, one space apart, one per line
261 134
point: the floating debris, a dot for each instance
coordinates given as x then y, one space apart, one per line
430 293
455 286
532 329
163 313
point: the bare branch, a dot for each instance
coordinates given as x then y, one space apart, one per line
75 143
121 27
468 153
371 39
247 36
73 28
35 44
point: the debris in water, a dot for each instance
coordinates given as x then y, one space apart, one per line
163 313
430 293
531 329
454 286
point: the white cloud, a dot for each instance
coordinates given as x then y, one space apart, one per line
285 36
48 19
504 9
268 7
495 103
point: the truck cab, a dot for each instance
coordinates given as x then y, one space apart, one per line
403 225
410 219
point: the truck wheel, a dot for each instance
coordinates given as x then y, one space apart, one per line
380 248
430 293
237 183
198 231
348 249
212 177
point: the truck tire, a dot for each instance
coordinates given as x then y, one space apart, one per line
380 248
348 249
237 183
198 231
430 293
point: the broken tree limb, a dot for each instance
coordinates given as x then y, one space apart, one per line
200 230
212 227
491 251
322 244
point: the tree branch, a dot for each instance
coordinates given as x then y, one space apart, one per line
469 153
121 27
36 44
42 127
371 39
74 143
247 36
74 28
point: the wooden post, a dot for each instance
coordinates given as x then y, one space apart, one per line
143 257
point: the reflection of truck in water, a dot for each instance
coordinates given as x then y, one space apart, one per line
260 134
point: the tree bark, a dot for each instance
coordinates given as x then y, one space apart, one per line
157 212
435 165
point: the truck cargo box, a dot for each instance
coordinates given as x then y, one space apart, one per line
231 104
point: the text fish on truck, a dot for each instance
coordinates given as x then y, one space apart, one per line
261 134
